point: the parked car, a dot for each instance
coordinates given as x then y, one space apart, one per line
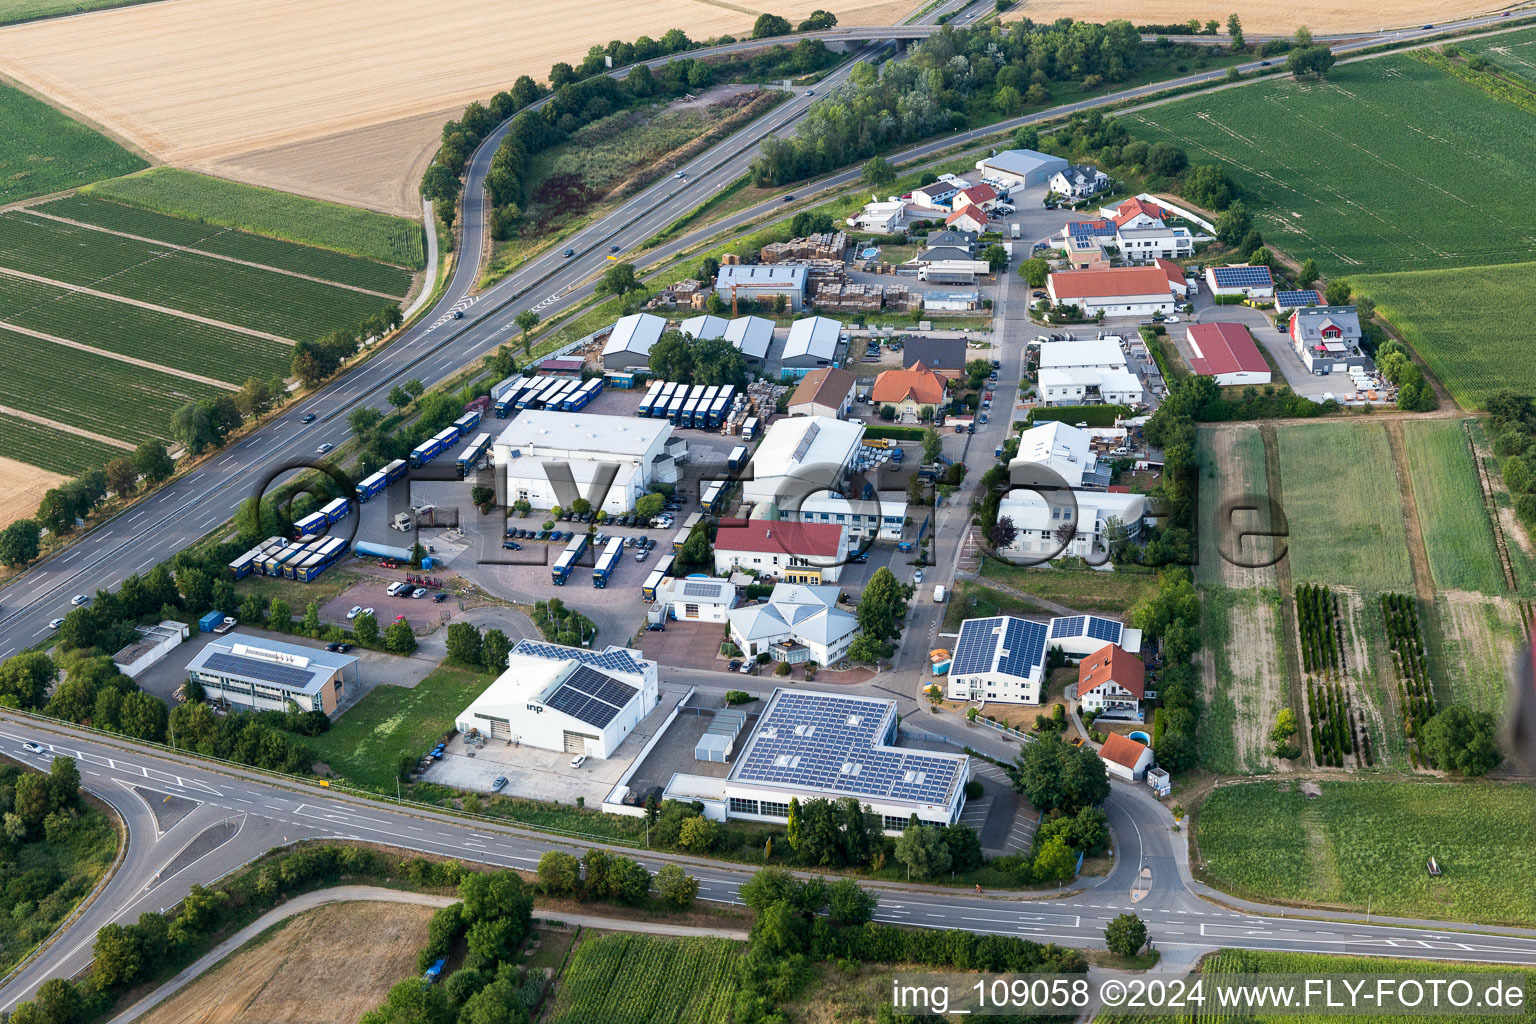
511 545
419 592
642 555
917 577
439 597
32 748
369 611
1170 319
354 611
338 648
735 664
308 417
983 418
656 627
578 760
499 784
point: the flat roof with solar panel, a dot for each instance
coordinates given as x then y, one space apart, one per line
1092 626
836 745
590 696
614 659
250 659
1242 277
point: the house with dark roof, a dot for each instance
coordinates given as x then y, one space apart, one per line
1079 181
952 238
824 392
1327 338
942 355
1254 282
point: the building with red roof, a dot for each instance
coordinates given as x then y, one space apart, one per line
1111 679
1136 212
793 552
983 197
1228 353
967 218
1125 758
1117 291
1176 279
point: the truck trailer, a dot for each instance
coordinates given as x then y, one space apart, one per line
376 482
608 561
561 570
473 452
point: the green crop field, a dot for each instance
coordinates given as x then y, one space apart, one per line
1368 841
1481 346
42 151
366 744
1457 534
13 11
623 978
1513 53
90 391
290 307
1341 505
271 252
141 333
262 211
53 450
1367 171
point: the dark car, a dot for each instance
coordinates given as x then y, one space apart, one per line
511 545
439 597
789 198
308 417
858 559
1263 63
1429 26
656 627
566 516
338 648
613 248
1037 295
569 253
458 314
735 664
970 428
541 535
997 364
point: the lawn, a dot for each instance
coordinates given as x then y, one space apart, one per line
1341 506
622 978
1080 589
974 601
43 151
263 211
147 334
1457 534
247 297
364 746
1481 348
1368 841
1366 171
241 245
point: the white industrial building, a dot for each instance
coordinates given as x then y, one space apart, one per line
801 455
1089 387
1002 658
1016 167
629 343
1038 517
1065 450
752 335
760 282
704 326
1086 354
565 698
798 624
549 459
881 517
812 342
697 599
257 674
153 644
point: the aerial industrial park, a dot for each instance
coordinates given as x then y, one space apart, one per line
764 514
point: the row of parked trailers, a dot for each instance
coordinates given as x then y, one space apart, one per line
688 405
316 522
295 560
657 577
564 394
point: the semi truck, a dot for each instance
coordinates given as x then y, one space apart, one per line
561 570
310 525
473 452
376 482
713 498
336 511
738 458
469 421
608 561
433 447
750 428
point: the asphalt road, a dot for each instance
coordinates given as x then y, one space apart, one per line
159 868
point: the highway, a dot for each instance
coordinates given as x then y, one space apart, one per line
217 820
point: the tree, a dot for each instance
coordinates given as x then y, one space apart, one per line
398 638
676 887
1303 36
1337 293
1056 776
996 257
619 279
1235 30
57 1002
1234 223
882 606
1207 185
24 679
1055 861
19 542
1125 934
363 419
494 648
628 881
442 186
559 873
398 397
1034 271
819 19
1309 273
700 835
770 25
848 902
64 781
1003 533
868 649
118 957
463 644
365 628
1460 740
877 172
1309 61
526 321
696 551
414 387
1166 159
671 358
142 716
411 1002
121 477
921 848
933 445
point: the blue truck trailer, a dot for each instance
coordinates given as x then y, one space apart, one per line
473 452
574 549
608 561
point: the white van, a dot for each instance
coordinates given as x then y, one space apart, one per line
938 593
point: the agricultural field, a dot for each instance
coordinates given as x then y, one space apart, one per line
366 744
13 11
1233 467
1341 506
45 151
53 450
1457 534
1481 637
278 215
1343 171
1480 349
1368 841
1245 676
307 969
622 978
1513 53
1318 15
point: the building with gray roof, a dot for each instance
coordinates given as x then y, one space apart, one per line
258 674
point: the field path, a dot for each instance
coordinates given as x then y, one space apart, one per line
211 255
1288 629
44 421
1418 557
145 363
368 893
167 310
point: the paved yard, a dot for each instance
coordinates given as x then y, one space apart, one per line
687 645
673 753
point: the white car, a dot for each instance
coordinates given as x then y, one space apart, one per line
419 592
324 448
1170 319
33 748
367 611
578 760
917 577
78 600
680 176
56 623
354 611
395 588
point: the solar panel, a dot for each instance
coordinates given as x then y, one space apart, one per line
700 589
1025 647
1107 630
254 668
1071 625
614 659
1296 299
975 650
595 684
1243 277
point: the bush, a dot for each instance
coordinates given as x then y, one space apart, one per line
974 788
734 697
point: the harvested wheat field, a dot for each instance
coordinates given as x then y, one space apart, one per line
327 966
22 487
283 92
1321 16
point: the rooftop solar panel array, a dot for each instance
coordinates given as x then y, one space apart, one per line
1107 630
1243 277
1070 625
614 660
1297 299
698 588
834 744
605 688
255 668
977 646
1092 626
582 707
1024 648
589 696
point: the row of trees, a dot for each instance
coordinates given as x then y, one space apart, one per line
1512 426
1321 629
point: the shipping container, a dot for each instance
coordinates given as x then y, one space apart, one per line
620 380
612 554
473 452
208 623
561 570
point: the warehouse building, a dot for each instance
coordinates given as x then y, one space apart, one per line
153 644
1013 168
550 459
1115 291
763 283
812 343
704 326
565 698
256 674
1066 451
629 343
752 335
800 456
1227 353
814 745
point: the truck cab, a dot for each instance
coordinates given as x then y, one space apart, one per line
402 522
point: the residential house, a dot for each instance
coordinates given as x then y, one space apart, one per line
1327 338
1111 682
799 623
824 392
882 517
1125 758
1116 291
942 355
1001 659
1226 352
795 552
938 193
968 218
1083 517
1078 181
1241 279
909 390
982 197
